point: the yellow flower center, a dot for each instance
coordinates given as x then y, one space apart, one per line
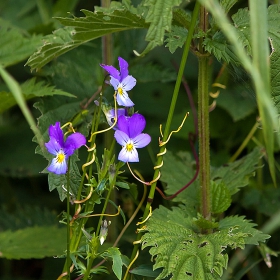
120 90
129 147
60 157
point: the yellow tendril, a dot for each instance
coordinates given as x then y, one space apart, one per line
106 215
131 263
85 199
115 121
174 131
149 215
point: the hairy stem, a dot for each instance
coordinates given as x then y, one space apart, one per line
203 122
169 118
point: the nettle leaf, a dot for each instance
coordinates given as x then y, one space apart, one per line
33 242
236 223
176 38
227 4
15 45
181 17
220 197
184 253
160 18
115 254
30 89
219 47
236 175
79 30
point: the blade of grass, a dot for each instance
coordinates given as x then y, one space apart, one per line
17 93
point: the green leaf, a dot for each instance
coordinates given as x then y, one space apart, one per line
252 235
181 17
176 38
30 89
15 45
221 198
33 242
183 253
79 30
115 255
219 47
160 17
228 4
236 175
145 270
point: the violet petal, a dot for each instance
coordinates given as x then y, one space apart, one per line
74 142
128 83
121 137
123 124
141 140
123 68
111 70
53 146
56 132
136 125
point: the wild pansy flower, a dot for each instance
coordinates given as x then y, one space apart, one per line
130 136
121 81
62 149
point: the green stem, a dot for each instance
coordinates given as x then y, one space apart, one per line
170 116
203 136
68 260
203 122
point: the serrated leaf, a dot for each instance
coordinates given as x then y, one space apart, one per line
33 242
228 4
183 253
30 89
181 17
238 223
160 18
79 30
219 47
115 254
236 175
220 197
176 38
16 46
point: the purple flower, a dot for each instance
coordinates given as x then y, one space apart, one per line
121 81
60 149
110 116
130 136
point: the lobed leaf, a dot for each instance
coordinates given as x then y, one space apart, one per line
15 45
79 30
176 38
160 18
184 253
236 175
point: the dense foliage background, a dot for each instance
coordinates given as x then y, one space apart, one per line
59 90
